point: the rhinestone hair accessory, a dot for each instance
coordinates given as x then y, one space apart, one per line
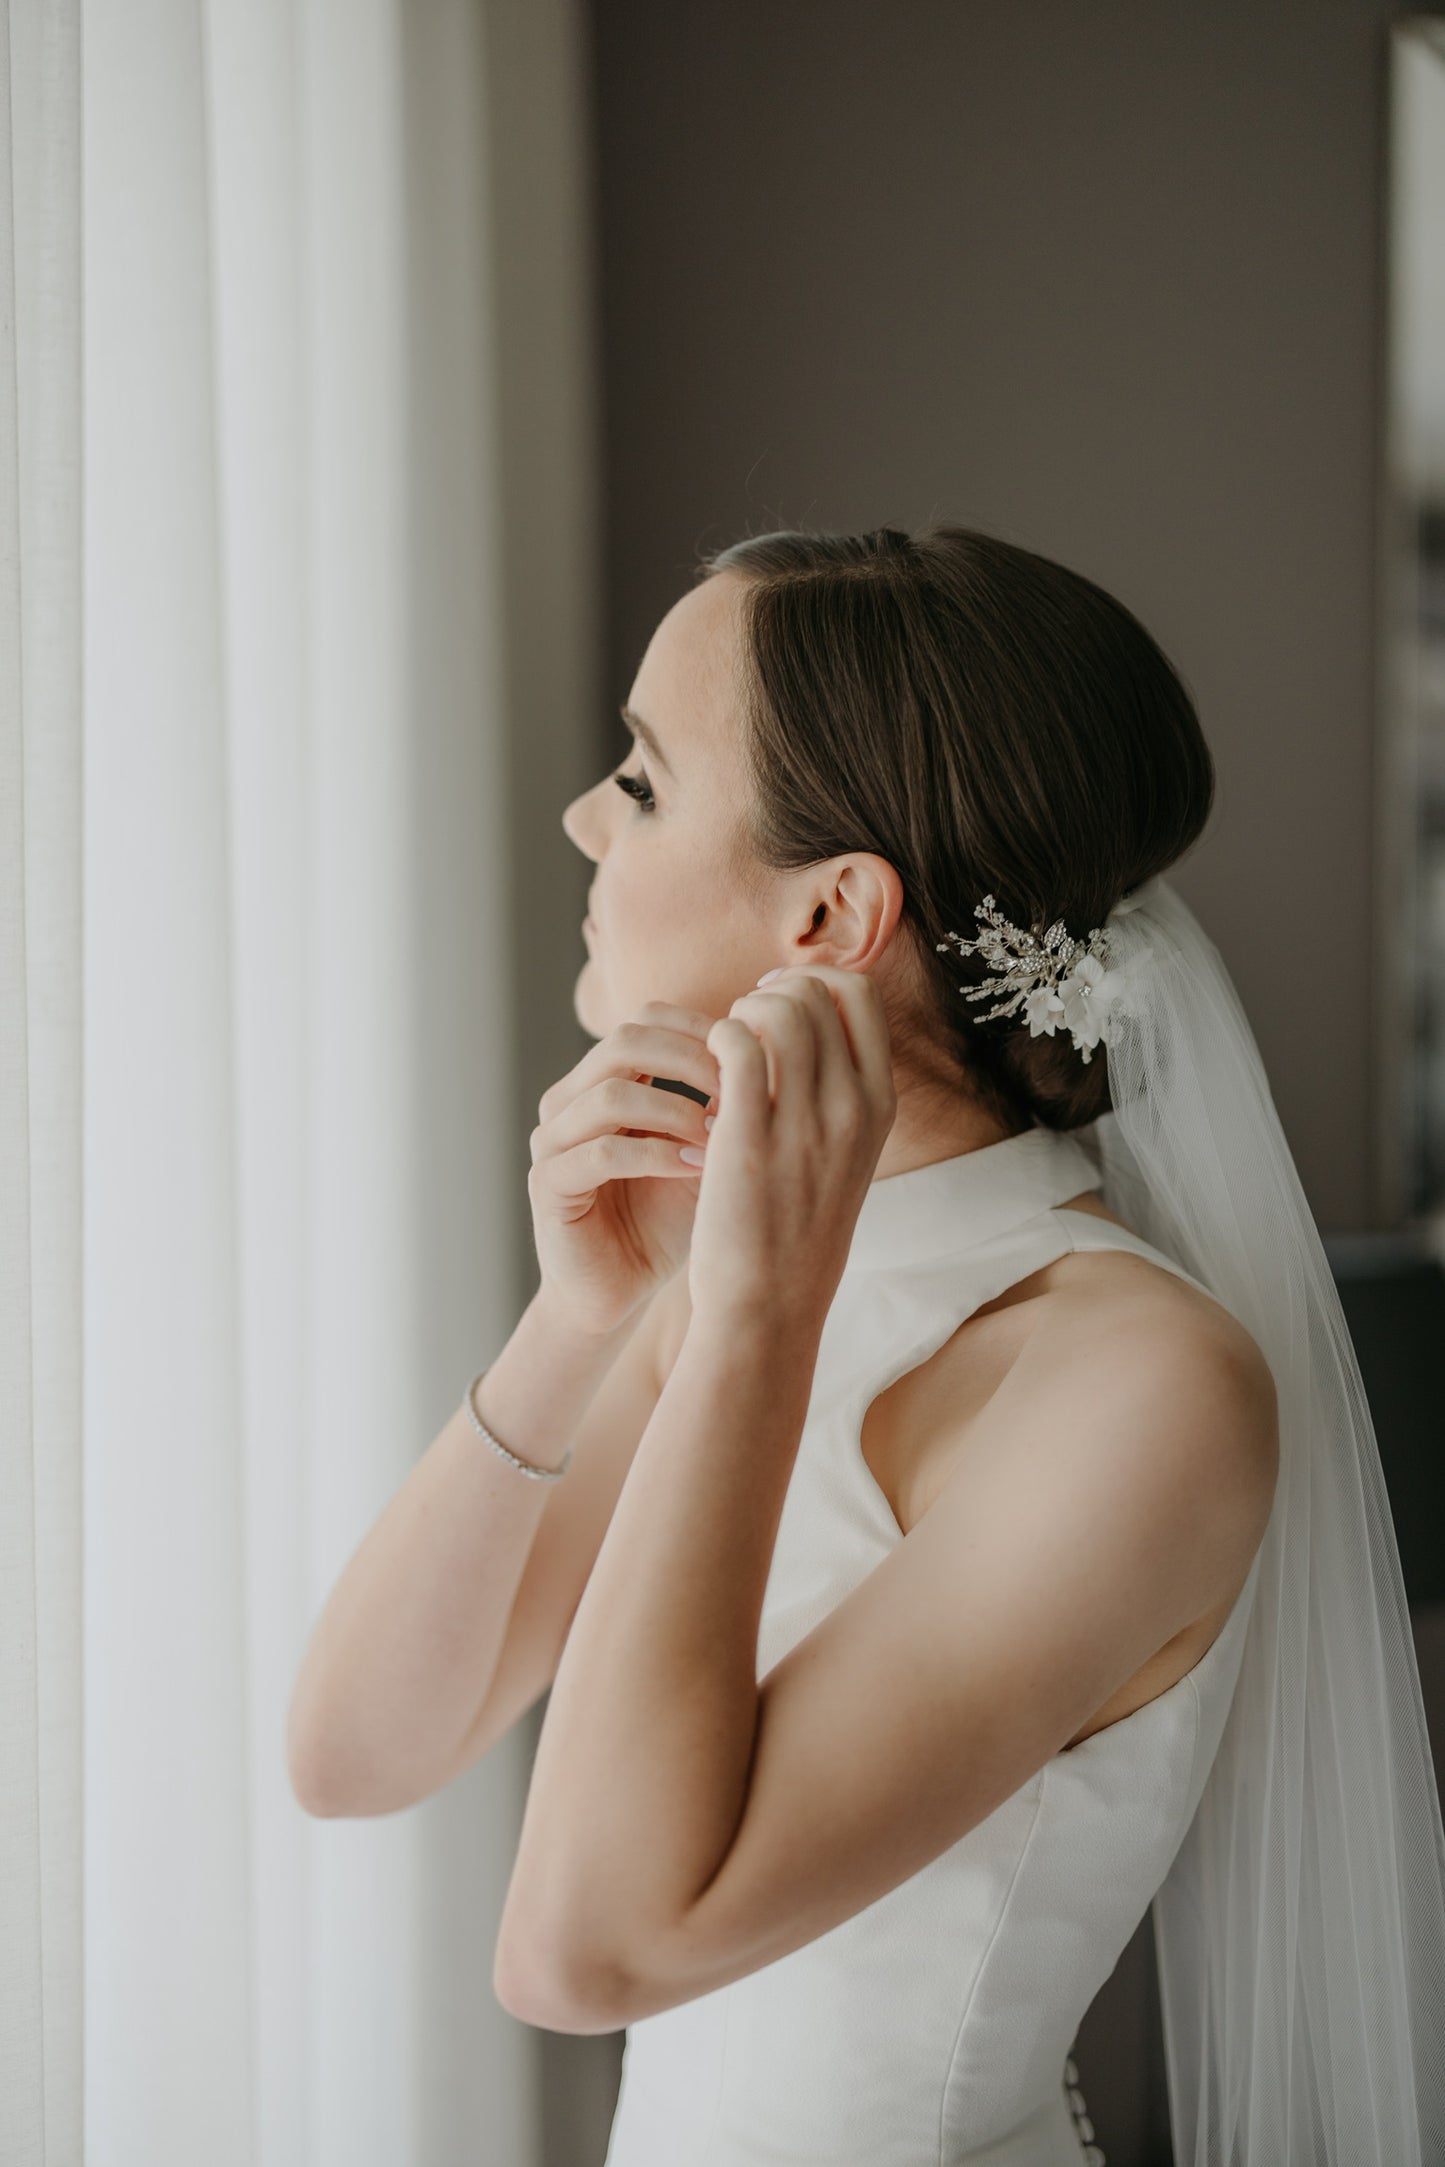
1055 979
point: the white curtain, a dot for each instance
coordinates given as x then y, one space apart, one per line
259 1062
41 1940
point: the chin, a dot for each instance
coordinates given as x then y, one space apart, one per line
598 1008
587 1005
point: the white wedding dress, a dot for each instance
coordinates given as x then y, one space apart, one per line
934 2028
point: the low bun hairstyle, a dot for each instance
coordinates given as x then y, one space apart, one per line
990 723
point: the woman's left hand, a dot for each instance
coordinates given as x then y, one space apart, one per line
805 1103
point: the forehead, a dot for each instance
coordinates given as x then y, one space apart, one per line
688 682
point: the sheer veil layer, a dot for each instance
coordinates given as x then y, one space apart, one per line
1300 1932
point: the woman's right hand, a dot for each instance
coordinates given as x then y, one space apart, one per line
612 1202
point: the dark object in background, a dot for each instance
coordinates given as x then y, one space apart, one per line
1393 1292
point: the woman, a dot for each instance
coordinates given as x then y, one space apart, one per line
976 1531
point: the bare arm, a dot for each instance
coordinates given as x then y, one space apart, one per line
451 1616
449 1619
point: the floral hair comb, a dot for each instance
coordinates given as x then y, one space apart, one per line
1055 979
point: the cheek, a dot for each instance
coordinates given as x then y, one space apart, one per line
646 881
671 925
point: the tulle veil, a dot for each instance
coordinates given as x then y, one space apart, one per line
1300 1931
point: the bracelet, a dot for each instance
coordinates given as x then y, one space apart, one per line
538 1474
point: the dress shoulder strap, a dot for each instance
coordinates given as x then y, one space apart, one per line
1086 1230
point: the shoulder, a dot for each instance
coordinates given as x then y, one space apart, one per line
1118 1373
1177 1336
1168 1388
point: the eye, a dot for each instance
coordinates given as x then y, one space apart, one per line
638 787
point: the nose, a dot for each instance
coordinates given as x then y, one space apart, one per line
579 826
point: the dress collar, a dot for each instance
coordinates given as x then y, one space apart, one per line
951 1205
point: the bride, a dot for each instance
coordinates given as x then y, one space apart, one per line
976 1531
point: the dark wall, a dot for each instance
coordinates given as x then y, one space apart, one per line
1102 279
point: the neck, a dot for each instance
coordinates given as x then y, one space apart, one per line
932 1124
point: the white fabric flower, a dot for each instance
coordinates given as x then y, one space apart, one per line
1094 995
1085 1002
1044 1010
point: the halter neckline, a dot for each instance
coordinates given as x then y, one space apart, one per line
928 1213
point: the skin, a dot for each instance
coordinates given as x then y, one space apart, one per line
1082 1474
678 915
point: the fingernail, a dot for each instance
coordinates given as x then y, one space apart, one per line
708 1120
777 973
693 1153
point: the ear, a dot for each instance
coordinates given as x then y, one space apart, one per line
854 905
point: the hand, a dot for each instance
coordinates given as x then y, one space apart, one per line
612 1203
805 1106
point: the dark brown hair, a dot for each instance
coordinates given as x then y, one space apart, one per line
990 723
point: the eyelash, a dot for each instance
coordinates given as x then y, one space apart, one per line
638 787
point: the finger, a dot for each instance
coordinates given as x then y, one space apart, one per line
745 1107
660 1040
838 1083
784 1021
616 1104
568 1183
865 1022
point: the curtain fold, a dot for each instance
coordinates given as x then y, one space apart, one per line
41 1934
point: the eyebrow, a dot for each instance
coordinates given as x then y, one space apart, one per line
648 735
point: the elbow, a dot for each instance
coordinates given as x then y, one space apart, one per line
332 1784
555 1990
309 1787
305 1768
312 1772
326 1798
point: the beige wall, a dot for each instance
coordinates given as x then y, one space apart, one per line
1104 279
